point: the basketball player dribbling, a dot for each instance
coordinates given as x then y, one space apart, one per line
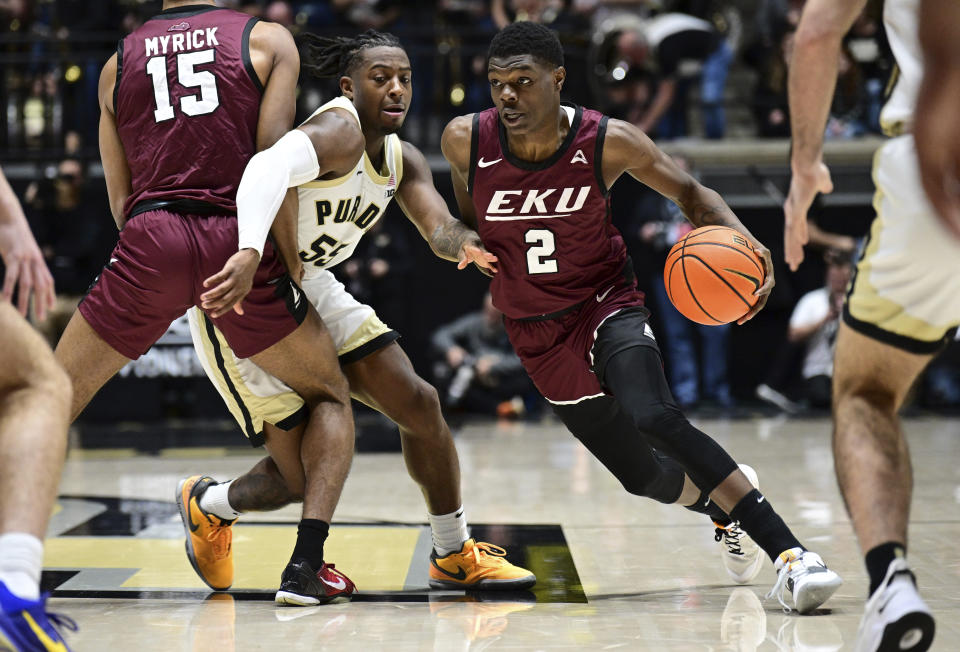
186 101
903 304
535 175
348 164
34 408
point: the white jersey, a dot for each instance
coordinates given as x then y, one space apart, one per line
900 19
335 213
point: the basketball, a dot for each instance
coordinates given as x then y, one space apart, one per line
711 275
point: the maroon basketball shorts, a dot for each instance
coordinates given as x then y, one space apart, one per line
558 353
156 274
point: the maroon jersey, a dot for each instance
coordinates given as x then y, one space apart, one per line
547 222
187 101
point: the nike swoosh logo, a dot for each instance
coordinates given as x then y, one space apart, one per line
459 575
486 164
752 279
339 584
45 640
193 526
601 297
761 499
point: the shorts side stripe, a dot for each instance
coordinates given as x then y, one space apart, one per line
248 428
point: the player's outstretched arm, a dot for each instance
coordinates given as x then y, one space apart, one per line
448 237
24 263
812 78
116 172
937 121
627 149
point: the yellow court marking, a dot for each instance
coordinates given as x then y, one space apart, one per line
376 558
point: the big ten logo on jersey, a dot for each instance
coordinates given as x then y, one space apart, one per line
186 44
508 205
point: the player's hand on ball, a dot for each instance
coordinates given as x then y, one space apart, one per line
231 284
477 254
763 292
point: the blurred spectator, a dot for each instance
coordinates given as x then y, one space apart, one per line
692 375
849 111
770 107
72 224
536 11
279 12
677 49
477 367
814 322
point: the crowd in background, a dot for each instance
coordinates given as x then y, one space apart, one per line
676 68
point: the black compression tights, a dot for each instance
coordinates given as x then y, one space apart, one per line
608 432
635 377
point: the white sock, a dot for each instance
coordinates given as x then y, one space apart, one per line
449 531
21 559
216 500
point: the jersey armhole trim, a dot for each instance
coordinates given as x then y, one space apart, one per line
474 146
397 159
245 54
116 83
598 155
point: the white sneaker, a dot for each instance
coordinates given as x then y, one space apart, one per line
896 618
806 577
743 625
742 557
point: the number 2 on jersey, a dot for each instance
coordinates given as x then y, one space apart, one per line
537 255
187 77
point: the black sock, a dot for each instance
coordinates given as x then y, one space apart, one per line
311 533
758 519
706 506
878 561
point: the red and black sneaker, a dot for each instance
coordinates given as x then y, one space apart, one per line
301 586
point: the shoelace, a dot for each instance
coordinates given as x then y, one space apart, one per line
730 536
781 586
489 550
59 621
220 538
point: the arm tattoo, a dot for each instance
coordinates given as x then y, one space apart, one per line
447 239
712 215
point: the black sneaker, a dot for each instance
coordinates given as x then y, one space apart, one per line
301 586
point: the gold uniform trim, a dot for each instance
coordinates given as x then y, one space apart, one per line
272 409
865 302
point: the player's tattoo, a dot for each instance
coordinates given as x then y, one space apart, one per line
262 489
718 214
448 238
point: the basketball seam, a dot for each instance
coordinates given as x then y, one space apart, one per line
683 268
726 246
726 282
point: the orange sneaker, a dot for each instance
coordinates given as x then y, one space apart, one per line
478 565
209 537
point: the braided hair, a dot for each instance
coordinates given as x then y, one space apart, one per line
527 38
337 56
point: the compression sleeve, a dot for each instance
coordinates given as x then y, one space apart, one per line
290 162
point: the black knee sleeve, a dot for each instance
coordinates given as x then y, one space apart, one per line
636 378
608 432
